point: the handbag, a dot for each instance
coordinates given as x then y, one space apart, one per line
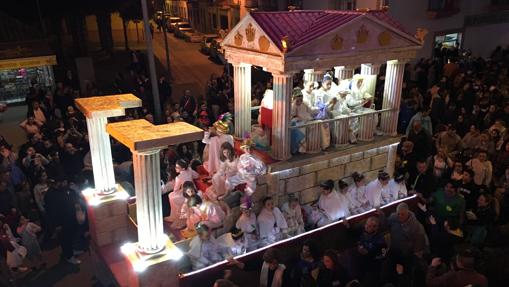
15 258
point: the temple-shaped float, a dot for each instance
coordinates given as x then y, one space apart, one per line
283 44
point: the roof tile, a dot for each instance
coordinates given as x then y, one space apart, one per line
303 26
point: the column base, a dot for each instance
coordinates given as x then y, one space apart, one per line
94 198
141 261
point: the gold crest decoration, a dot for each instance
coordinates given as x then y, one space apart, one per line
250 33
263 43
336 43
238 39
362 35
420 34
384 38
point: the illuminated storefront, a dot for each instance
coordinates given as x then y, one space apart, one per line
19 74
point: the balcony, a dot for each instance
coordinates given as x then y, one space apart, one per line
442 8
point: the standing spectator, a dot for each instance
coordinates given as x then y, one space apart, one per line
31 126
188 107
447 203
60 203
421 140
28 232
463 274
272 272
408 239
331 273
483 170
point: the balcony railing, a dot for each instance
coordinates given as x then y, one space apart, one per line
340 128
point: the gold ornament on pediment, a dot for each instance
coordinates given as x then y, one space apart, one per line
250 33
384 38
362 35
336 43
263 43
238 39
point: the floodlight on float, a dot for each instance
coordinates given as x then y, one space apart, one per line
95 199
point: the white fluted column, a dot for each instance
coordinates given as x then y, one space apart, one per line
391 159
392 95
370 69
242 98
100 152
147 180
282 84
343 72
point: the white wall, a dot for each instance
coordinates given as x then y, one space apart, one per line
481 40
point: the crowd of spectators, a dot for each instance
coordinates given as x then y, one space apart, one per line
454 157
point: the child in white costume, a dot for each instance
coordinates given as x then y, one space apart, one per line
249 167
227 169
375 189
212 151
357 191
247 223
395 190
293 216
271 223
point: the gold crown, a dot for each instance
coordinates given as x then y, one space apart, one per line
238 39
384 38
250 33
336 43
362 35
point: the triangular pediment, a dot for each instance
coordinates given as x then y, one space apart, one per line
248 35
363 34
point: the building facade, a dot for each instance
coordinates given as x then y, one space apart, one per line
466 24
212 16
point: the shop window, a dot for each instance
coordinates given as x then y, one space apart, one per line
447 43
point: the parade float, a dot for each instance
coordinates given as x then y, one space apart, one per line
139 252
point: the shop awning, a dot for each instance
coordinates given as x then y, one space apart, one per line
29 62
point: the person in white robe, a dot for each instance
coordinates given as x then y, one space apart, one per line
271 223
204 250
213 139
344 194
227 169
300 113
176 197
248 168
293 215
331 204
357 191
248 225
395 190
308 93
322 97
265 113
375 188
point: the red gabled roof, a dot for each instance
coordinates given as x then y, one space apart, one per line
303 26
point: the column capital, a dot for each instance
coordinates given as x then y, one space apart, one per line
398 61
280 74
146 152
241 65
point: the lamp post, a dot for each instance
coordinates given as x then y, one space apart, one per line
166 43
151 62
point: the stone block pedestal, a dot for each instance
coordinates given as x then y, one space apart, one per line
108 217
